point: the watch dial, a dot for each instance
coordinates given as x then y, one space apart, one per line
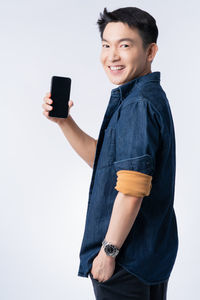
109 249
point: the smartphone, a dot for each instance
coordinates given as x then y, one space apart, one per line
60 93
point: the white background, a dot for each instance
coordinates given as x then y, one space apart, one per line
44 184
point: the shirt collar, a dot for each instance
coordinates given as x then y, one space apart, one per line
125 88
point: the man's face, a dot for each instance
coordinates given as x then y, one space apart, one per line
127 53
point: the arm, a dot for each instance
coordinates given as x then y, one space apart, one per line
81 142
136 147
125 210
124 213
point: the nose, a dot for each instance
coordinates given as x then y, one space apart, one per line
113 55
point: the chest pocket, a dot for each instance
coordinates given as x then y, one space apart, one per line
107 152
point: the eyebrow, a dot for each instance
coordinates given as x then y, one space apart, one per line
121 40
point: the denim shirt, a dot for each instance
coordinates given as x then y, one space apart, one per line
137 133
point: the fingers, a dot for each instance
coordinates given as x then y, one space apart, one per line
47 100
46 113
47 107
70 103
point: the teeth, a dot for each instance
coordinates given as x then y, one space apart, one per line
116 68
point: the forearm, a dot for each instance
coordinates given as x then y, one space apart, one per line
82 143
124 213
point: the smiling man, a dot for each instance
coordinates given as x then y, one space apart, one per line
123 56
130 240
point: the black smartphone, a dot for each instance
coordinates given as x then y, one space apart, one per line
60 93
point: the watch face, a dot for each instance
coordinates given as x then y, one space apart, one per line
109 249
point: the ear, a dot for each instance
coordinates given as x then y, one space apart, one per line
153 48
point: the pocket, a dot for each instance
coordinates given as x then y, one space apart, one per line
98 282
91 276
108 280
114 276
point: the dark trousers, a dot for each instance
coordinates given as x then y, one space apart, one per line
123 285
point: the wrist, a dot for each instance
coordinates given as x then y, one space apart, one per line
110 249
107 257
63 121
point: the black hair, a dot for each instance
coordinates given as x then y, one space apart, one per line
135 18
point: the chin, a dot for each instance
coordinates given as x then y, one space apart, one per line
114 80
117 81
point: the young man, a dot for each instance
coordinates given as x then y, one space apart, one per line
130 240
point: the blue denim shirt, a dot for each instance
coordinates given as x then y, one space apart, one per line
137 133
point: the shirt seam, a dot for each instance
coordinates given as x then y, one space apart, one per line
141 99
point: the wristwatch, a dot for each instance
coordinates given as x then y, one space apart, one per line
110 249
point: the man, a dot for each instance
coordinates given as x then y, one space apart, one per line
130 240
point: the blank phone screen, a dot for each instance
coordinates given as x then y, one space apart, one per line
60 93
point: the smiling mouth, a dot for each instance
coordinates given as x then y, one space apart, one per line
115 70
116 67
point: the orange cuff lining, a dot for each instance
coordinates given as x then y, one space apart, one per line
133 183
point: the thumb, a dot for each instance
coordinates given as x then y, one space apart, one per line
71 103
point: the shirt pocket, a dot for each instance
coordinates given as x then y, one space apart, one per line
107 152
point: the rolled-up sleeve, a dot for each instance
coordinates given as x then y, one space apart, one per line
137 142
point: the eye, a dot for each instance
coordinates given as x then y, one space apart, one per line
105 45
125 45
